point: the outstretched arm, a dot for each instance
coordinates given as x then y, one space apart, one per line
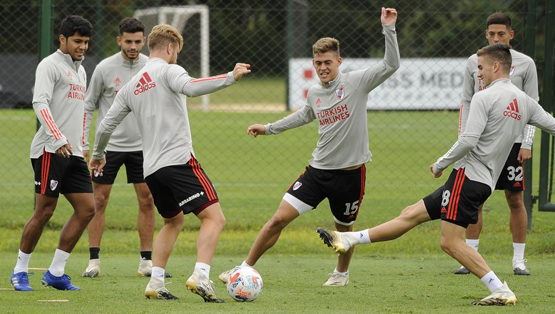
296 119
180 81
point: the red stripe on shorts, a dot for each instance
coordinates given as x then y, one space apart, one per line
453 198
45 171
202 178
458 197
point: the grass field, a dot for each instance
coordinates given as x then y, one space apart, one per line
409 275
292 284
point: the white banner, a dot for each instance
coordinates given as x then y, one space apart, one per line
419 84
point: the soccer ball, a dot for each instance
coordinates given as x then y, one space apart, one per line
244 284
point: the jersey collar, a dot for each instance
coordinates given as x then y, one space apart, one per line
67 58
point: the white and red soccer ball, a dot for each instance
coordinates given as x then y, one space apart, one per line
244 284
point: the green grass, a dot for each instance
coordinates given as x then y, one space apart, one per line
408 275
292 284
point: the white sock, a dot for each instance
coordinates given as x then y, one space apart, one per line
473 243
335 271
22 262
244 264
518 251
491 281
158 273
58 263
203 269
360 236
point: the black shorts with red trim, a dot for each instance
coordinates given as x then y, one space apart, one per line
458 200
344 190
133 162
182 188
55 175
512 175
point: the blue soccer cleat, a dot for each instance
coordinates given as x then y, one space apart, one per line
20 281
60 283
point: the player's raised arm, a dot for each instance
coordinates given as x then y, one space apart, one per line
370 78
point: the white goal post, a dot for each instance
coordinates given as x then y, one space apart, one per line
177 16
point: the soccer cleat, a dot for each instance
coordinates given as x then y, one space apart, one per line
93 270
340 242
501 296
461 271
519 268
337 280
201 285
223 276
156 290
145 269
60 283
20 281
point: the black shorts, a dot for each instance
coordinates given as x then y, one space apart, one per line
55 175
512 175
343 188
133 162
181 188
458 200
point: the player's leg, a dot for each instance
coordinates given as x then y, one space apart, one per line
452 242
460 203
77 188
163 188
101 194
102 187
271 231
145 227
512 181
302 196
44 209
48 171
422 211
163 247
212 222
472 239
345 190
519 225
146 215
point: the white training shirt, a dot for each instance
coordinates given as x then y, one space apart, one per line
109 76
59 101
156 96
523 75
497 116
341 111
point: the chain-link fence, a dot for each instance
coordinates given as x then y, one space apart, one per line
275 37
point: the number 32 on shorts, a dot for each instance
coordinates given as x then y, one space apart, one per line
515 174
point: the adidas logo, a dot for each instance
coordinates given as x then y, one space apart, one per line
512 110
517 185
145 83
318 102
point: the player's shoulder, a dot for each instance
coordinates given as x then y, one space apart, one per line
516 55
108 62
473 59
143 58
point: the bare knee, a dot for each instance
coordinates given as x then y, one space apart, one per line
414 214
278 222
515 200
43 214
451 246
